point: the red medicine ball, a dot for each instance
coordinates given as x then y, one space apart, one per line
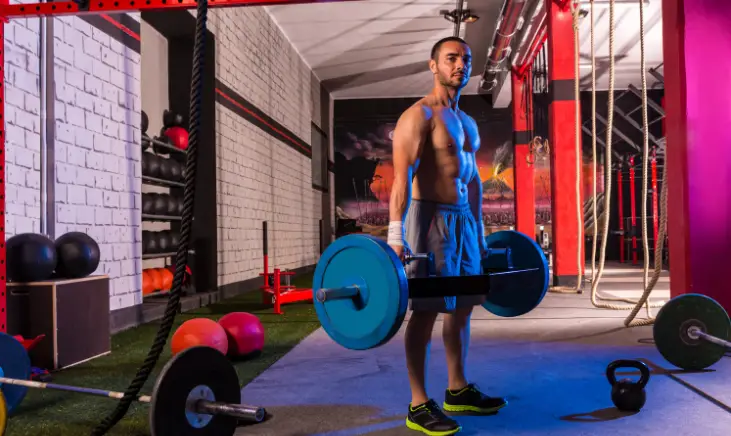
245 333
178 136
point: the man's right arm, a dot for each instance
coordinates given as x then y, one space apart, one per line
412 130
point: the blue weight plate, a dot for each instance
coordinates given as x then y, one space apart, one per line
375 316
14 363
524 291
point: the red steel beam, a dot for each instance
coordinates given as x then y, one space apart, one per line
523 174
98 7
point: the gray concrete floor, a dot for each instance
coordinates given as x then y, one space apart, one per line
550 364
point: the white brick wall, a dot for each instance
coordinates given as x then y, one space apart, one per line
23 126
98 150
97 138
261 178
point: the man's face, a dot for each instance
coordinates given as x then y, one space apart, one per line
454 67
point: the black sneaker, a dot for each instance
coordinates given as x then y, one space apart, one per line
470 399
428 418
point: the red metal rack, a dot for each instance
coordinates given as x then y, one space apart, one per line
52 9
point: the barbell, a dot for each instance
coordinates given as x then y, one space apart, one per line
361 292
691 331
197 392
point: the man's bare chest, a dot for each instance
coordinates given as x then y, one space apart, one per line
452 134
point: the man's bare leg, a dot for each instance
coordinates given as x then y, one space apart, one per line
456 337
417 341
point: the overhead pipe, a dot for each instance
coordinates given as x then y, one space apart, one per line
532 36
508 23
532 52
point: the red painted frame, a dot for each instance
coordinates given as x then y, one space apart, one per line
52 9
102 6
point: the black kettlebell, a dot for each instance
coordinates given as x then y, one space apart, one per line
145 163
171 204
160 204
628 395
149 242
171 119
153 165
163 241
144 122
174 170
174 240
148 204
166 170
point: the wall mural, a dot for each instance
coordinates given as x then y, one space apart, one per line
364 173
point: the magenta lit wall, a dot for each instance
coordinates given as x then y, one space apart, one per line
708 111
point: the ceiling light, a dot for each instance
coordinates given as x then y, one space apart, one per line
469 18
466 16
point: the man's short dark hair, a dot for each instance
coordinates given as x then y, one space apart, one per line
438 45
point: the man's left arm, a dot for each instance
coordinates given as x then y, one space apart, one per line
474 192
474 187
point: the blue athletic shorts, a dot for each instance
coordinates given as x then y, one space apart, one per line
450 232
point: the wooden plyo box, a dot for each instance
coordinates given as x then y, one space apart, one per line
72 313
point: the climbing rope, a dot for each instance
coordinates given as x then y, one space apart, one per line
577 152
595 221
596 277
659 243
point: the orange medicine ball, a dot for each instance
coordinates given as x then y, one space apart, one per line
166 279
155 277
148 287
199 332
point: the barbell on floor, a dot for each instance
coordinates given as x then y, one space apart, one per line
197 392
691 331
361 292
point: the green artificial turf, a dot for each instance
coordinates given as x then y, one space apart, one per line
54 413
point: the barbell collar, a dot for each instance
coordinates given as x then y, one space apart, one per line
695 332
428 257
240 411
329 294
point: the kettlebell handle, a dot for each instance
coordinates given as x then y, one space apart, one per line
641 366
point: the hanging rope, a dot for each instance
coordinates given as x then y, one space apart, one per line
596 277
660 242
593 151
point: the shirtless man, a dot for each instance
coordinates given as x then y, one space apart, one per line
436 206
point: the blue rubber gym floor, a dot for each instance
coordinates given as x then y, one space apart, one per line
550 364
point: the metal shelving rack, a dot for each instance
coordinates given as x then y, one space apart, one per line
159 148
